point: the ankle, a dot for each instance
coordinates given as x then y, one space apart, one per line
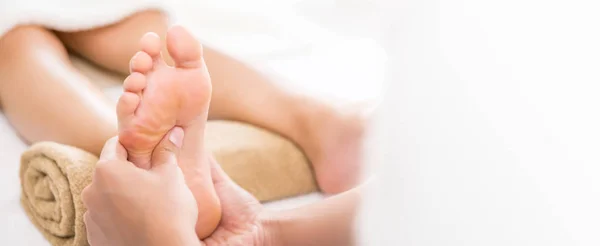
308 116
315 120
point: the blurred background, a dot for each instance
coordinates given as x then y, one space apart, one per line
318 46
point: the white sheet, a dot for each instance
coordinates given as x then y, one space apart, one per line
69 15
308 56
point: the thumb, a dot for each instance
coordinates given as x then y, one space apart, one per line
167 150
220 178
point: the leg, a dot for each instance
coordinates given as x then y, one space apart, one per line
331 139
45 98
112 46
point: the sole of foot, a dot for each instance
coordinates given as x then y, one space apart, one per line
158 97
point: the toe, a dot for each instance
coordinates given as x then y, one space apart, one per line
150 44
127 105
141 62
134 83
184 48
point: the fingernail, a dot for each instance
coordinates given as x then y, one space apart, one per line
176 136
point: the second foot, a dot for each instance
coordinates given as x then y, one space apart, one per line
333 142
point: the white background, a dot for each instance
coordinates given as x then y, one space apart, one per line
491 125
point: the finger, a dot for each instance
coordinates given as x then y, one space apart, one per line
90 198
90 225
113 150
224 184
218 175
95 235
87 220
167 150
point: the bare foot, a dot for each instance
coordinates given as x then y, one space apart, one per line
332 140
158 97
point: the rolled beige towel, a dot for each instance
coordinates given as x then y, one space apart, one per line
53 175
265 164
52 178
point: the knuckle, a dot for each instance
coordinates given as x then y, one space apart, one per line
102 163
102 168
104 173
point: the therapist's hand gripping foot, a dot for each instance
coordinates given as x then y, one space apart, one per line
128 205
132 206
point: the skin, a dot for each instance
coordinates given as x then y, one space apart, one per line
67 105
158 97
117 198
119 186
246 222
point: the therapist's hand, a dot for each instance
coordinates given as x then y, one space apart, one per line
244 221
132 206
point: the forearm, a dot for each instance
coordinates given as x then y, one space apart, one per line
329 222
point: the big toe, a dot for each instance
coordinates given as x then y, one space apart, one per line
185 50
